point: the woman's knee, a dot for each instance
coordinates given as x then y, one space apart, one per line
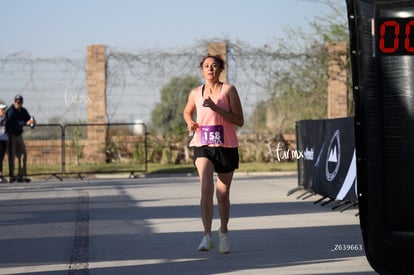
223 196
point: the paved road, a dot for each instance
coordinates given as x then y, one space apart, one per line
152 226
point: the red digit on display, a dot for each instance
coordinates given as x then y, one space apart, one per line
383 29
407 40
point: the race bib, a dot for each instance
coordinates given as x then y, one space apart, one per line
212 134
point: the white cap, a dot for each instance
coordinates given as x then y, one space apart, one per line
3 106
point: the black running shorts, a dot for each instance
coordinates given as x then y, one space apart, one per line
224 159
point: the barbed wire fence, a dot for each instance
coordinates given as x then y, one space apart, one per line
54 89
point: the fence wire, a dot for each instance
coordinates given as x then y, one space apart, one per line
54 89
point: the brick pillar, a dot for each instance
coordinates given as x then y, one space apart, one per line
221 49
96 83
337 81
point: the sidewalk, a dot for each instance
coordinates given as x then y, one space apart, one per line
152 226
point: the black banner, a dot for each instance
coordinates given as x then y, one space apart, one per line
328 166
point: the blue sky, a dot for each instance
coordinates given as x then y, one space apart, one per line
57 28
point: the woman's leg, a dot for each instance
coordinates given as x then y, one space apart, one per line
205 170
223 198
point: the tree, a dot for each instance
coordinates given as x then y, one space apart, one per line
167 115
296 77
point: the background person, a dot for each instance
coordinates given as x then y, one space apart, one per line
16 118
218 110
3 139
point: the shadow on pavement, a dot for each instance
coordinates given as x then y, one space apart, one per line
39 231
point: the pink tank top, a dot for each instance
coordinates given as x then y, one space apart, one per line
213 129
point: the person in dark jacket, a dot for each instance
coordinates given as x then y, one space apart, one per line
16 118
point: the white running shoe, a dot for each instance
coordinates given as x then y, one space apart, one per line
224 245
206 244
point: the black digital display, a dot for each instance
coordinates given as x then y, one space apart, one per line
395 36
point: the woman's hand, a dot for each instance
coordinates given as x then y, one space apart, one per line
208 102
192 126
